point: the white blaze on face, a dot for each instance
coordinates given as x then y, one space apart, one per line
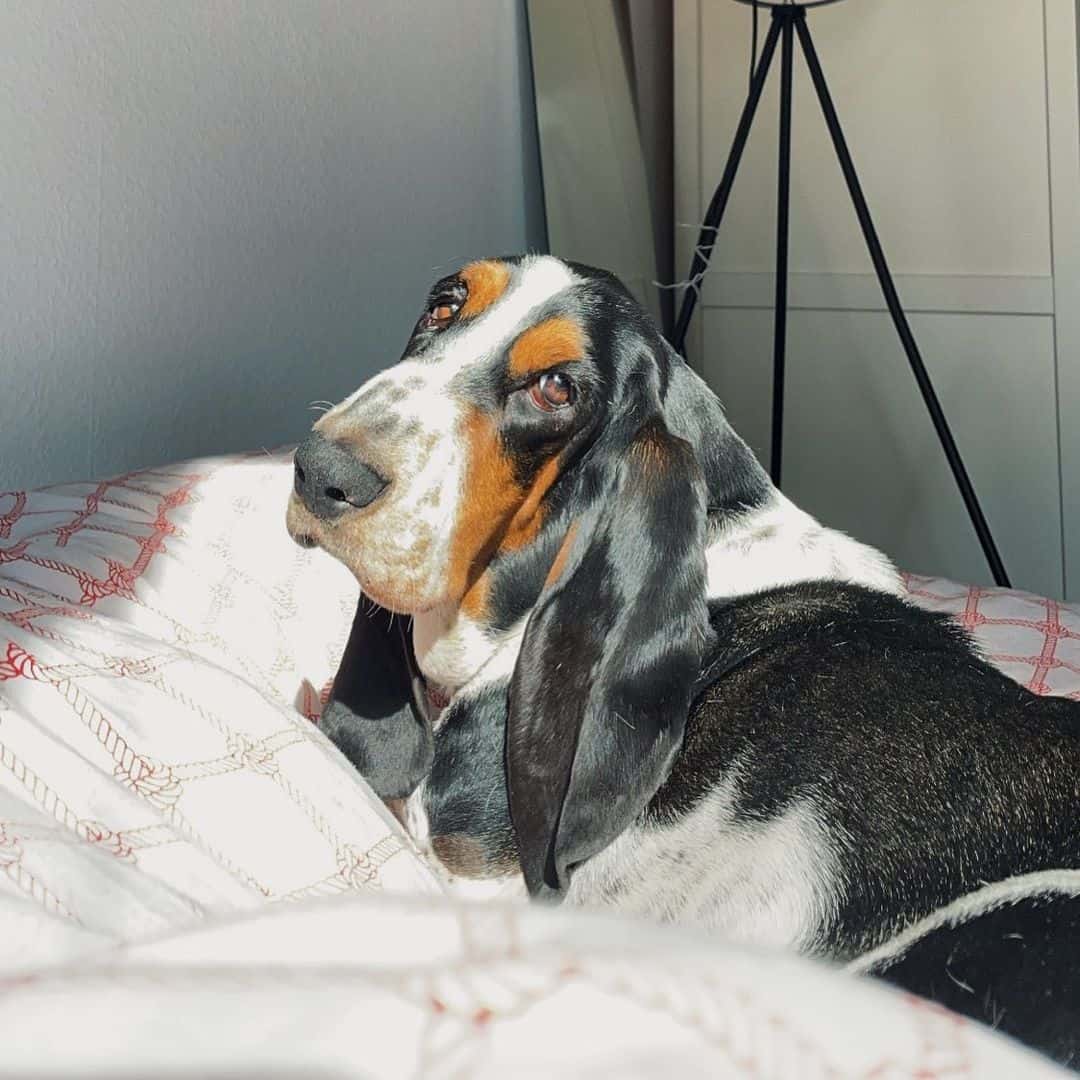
408 425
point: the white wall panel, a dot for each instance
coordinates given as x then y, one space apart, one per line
859 449
943 106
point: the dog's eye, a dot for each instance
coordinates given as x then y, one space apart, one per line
552 391
446 301
441 312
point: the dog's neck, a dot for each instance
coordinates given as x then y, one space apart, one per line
749 550
777 544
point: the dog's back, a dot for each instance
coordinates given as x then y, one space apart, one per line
941 798
930 771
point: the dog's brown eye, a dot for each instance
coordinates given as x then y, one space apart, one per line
552 391
440 313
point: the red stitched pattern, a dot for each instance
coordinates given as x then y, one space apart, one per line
1025 635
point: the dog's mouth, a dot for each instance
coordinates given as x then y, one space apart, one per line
308 532
301 525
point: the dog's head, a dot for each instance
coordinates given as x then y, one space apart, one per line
538 454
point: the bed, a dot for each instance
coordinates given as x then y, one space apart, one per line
193 881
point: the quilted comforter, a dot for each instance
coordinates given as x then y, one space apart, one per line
193 881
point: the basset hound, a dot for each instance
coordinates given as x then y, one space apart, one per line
631 673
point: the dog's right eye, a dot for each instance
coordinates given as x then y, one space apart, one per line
552 391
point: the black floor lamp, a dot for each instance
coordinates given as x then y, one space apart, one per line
788 22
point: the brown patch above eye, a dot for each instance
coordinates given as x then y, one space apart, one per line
486 281
545 345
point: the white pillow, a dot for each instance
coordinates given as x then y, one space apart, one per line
163 650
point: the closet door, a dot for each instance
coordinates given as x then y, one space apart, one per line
945 107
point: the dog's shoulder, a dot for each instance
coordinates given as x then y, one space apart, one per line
814 615
925 767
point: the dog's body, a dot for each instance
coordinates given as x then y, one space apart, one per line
639 677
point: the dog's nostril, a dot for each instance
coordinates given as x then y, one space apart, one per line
328 478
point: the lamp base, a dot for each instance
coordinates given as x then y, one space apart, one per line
787 3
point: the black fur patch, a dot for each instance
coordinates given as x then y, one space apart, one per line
1016 968
465 795
375 715
931 770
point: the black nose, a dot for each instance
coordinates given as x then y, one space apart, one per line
329 477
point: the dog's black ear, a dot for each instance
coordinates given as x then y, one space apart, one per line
374 713
602 685
735 480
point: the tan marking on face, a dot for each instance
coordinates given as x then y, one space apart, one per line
475 601
559 565
545 345
497 514
528 518
486 282
490 496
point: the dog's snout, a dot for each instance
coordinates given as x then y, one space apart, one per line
329 478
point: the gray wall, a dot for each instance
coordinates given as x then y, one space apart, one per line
213 213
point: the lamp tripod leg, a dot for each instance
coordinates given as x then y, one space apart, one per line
892 300
783 205
718 204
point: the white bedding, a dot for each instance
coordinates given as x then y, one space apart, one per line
193 880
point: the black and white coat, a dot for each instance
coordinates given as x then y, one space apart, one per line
681 697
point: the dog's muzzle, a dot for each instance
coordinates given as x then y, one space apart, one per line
329 478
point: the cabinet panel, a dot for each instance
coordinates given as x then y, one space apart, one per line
861 454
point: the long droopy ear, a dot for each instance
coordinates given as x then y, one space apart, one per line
602 685
373 715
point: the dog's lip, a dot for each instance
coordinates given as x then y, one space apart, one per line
408 611
308 533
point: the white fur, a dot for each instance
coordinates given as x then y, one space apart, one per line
766 883
449 646
773 883
538 279
980 902
780 544
453 650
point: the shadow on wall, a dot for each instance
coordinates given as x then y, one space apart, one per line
215 215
